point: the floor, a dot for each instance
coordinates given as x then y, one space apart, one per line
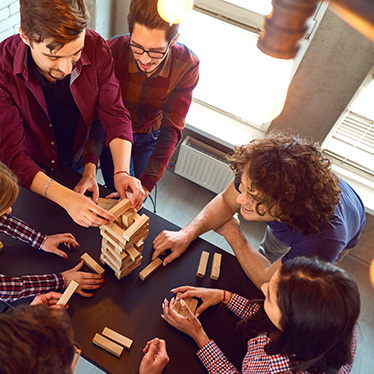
179 200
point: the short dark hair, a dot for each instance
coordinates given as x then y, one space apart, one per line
320 305
8 188
36 339
145 13
62 21
292 179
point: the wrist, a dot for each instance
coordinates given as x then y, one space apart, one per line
121 172
201 339
89 169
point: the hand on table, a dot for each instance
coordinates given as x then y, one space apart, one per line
209 296
155 357
49 298
52 242
230 227
190 325
87 281
123 183
176 241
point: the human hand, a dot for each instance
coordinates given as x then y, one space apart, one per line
52 242
85 212
155 357
88 182
230 227
87 281
189 324
49 299
208 296
123 183
176 241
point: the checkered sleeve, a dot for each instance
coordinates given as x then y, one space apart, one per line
18 229
214 360
242 307
14 288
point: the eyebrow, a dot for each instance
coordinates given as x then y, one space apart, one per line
159 49
54 56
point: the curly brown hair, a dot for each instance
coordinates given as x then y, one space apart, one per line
291 178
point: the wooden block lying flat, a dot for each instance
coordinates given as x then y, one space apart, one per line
68 293
150 269
107 203
135 227
92 264
118 338
190 301
202 264
120 208
114 230
216 266
108 345
127 219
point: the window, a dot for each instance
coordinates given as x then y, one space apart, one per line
351 141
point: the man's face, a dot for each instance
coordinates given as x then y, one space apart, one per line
247 204
56 65
150 40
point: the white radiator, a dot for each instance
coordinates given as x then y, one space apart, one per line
203 165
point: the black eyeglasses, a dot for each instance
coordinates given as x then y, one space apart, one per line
138 50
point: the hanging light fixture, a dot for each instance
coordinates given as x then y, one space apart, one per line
172 11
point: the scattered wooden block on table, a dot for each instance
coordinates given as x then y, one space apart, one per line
108 345
118 338
92 264
202 264
216 266
68 293
150 269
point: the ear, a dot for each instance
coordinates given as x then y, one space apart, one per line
174 40
24 38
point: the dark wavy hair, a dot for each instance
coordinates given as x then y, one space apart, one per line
290 179
320 305
145 13
36 339
8 188
59 20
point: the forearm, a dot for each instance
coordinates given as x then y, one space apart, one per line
121 154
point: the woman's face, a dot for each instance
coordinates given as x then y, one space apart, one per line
270 290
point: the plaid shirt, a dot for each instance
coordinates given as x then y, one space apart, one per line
256 361
18 229
161 100
26 133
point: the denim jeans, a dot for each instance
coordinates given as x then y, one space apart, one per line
142 148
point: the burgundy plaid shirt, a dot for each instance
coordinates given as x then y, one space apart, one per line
26 133
161 100
256 361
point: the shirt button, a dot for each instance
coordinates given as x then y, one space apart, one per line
53 161
52 142
50 125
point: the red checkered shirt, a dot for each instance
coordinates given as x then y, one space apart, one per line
14 288
256 360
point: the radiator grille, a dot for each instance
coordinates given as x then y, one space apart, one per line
203 165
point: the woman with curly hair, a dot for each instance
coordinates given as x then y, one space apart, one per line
305 324
286 182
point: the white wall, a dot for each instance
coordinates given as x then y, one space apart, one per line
9 18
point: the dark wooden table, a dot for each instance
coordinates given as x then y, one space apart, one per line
129 306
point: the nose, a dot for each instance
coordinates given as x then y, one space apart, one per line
242 199
65 65
145 59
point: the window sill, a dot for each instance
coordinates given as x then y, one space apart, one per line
220 128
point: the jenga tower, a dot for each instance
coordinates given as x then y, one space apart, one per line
123 239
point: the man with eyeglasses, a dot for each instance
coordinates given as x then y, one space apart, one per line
157 76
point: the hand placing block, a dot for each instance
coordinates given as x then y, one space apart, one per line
68 293
92 264
150 269
108 345
216 266
202 264
118 338
190 301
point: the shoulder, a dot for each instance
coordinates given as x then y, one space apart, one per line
119 46
184 55
93 42
8 49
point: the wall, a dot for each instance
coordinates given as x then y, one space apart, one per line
335 64
9 18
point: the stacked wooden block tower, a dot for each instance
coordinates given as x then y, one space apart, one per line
123 239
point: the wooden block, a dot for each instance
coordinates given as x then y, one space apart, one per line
1 245
150 269
120 208
202 264
133 253
108 345
118 338
216 266
140 235
136 226
92 264
116 245
190 301
127 271
107 203
68 293
127 219
114 230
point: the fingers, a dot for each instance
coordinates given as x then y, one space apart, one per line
85 294
77 267
95 193
170 258
60 253
113 195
